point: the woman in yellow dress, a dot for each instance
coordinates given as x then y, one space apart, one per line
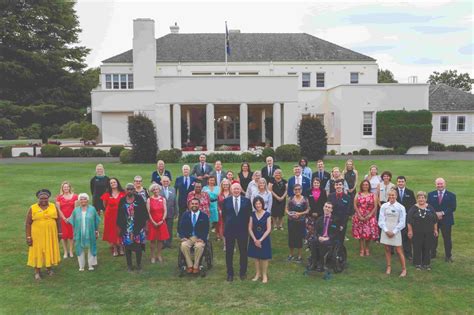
43 231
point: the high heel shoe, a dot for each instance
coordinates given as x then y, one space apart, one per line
367 252
388 270
255 278
403 274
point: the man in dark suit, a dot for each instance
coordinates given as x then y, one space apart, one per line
193 230
342 205
320 173
444 203
300 179
218 172
236 215
202 170
183 185
406 197
171 210
269 169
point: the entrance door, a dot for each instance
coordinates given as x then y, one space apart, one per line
227 125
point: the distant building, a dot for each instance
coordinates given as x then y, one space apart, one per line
180 81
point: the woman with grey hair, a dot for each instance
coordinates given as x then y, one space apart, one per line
139 189
85 222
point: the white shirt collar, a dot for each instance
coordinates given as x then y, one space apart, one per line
197 212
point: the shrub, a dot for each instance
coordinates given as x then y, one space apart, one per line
50 150
142 135
364 152
89 131
169 156
268 152
24 154
8 129
332 152
470 149
436 146
250 157
126 156
382 152
355 152
7 152
312 138
71 129
400 150
396 128
99 153
224 157
190 159
456 148
33 131
288 153
66 152
115 150
84 152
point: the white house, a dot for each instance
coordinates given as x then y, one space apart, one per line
180 81
453 115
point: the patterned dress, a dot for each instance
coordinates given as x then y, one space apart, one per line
366 230
128 238
204 200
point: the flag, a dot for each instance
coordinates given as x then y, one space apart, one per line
227 43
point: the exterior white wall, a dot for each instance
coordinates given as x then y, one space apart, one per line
452 136
115 128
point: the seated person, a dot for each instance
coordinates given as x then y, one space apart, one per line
326 229
193 230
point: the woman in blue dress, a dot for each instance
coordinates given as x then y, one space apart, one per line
213 191
260 247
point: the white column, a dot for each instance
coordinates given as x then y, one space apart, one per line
177 126
188 122
210 127
244 128
276 125
264 114
163 126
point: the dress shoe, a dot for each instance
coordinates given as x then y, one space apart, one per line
196 270
230 278
189 270
243 277
448 259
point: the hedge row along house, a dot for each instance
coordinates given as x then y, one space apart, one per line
198 101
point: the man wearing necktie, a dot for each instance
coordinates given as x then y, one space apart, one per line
236 215
269 169
171 207
321 174
300 179
202 170
219 173
183 185
406 197
444 203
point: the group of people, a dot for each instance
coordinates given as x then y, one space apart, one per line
243 209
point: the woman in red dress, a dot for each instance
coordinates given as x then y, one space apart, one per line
65 203
157 228
364 222
224 192
111 199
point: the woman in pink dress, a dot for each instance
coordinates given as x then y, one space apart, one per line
157 228
111 199
364 222
65 203
224 192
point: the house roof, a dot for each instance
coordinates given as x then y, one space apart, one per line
245 47
444 98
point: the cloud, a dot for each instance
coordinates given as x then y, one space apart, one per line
437 29
467 50
427 61
371 49
389 18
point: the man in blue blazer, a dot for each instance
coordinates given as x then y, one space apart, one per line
183 185
236 215
444 203
298 178
193 230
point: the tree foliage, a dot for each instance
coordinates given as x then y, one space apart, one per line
142 133
312 138
385 76
460 81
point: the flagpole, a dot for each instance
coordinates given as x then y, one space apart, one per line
225 47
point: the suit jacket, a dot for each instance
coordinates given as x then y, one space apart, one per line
236 226
223 175
342 207
334 228
306 183
317 206
170 202
265 172
409 198
183 191
326 177
447 205
197 171
201 229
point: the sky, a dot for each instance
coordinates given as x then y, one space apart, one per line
410 38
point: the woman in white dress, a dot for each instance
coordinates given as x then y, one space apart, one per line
391 222
374 178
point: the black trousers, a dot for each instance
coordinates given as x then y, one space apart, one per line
169 224
448 246
242 242
138 254
407 243
319 250
422 246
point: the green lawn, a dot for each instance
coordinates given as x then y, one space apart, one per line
362 288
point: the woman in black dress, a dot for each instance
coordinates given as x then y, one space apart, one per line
296 210
279 189
99 184
317 198
245 176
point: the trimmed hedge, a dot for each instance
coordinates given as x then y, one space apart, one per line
50 150
24 154
312 138
7 152
66 152
364 152
169 156
382 152
401 128
126 156
99 153
250 157
436 146
115 150
288 153
84 152
223 157
268 152
456 148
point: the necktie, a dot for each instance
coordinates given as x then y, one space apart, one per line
236 206
166 192
320 175
401 194
186 184
194 221
440 197
218 177
270 171
202 168
326 225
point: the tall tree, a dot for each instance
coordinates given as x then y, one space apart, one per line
385 76
40 61
460 81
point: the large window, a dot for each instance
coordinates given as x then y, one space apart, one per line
306 79
320 79
444 123
119 81
461 123
354 77
368 125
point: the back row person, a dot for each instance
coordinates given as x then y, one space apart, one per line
202 170
157 176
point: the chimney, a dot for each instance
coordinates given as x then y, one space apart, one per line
144 54
174 29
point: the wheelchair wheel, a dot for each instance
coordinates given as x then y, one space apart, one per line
339 259
203 271
210 255
181 264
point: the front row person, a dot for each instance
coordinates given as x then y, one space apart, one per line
85 222
131 221
391 222
43 231
193 229
297 209
422 230
260 247
157 230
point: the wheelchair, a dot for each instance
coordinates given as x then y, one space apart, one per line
205 263
335 258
